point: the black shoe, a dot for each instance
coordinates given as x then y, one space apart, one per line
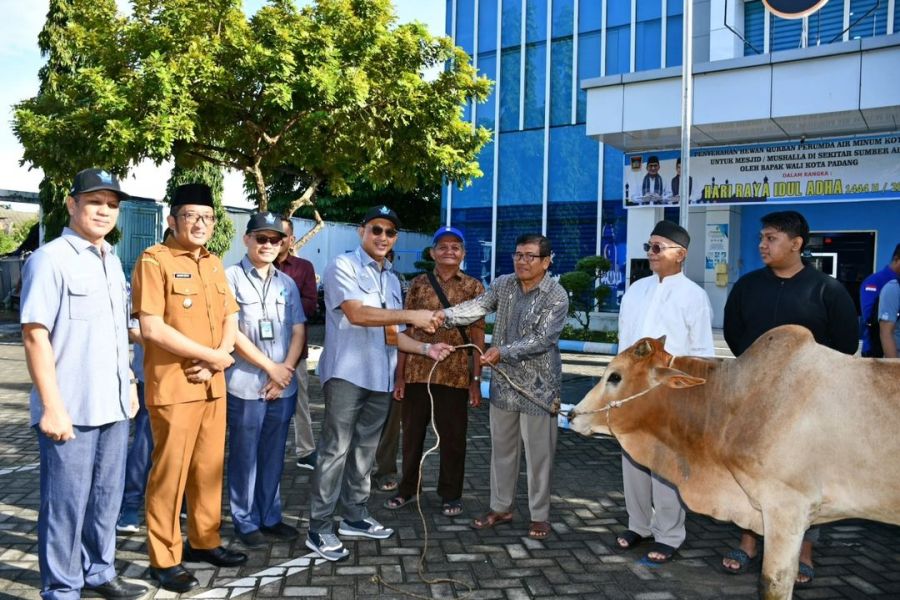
174 579
281 531
252 539
118 588
219 557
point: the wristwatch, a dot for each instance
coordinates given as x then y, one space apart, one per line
425 349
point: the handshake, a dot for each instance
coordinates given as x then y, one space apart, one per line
427 320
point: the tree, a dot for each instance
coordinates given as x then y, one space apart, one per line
10 241
211 175
332 92
586 294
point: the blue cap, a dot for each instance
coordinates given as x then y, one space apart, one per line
447 231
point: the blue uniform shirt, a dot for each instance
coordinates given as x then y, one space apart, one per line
81 298
353 353
889 306
275 298
868 299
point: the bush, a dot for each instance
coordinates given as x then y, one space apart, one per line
586 293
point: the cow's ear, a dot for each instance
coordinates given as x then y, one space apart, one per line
644 348
675 379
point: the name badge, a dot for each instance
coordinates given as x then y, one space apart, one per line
266 329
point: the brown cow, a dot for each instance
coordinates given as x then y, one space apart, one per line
789 435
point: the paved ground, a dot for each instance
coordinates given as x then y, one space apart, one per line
855 559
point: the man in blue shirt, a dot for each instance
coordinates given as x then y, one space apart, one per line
261 383
74 327
888 316
363 307
869 292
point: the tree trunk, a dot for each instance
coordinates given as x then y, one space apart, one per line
307 200
261 191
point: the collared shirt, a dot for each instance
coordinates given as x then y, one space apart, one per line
275 298
869 291
137 350
675 307
304 275
192 296
79 295
353 353
889 307
527 332
453 371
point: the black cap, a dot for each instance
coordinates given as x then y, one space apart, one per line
653 160
672 231
382 212
94 180
265 221
192 193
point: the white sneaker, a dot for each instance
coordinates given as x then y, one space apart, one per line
367 528
326 545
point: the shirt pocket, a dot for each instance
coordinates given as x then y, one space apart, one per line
250 308
281 307
184 296
84 299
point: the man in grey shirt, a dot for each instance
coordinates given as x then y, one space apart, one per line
74 326
531 310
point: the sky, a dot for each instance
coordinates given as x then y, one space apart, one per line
20 60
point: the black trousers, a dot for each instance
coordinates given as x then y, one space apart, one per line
451 416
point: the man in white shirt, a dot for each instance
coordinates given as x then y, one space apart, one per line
666 303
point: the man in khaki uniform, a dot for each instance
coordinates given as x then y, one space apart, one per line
188 321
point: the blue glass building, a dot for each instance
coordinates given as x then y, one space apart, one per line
555 162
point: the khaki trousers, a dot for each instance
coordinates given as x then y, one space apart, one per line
188 455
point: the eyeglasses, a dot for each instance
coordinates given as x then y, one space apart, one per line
525 257
262 239
378 230
191 218
656 247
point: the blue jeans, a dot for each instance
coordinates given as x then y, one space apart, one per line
354 418
257 433
138 466
81 492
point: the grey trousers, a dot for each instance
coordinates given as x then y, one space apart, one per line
353 420
304 444
508 432
654 508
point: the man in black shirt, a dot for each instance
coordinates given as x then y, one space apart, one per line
786 291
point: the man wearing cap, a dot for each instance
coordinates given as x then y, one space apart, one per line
74 328
666 303
531 311
363 309
188 320
455 384
261 383
304 275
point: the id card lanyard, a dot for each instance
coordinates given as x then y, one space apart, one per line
265 325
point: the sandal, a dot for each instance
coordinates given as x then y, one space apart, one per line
631 540
805 570
538 530
745 561
388 484
492 519
452 508
397 502
664 550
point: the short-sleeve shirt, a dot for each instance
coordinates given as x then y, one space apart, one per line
304 275
353 353
274 298
453 371
889 306
192 296
79 294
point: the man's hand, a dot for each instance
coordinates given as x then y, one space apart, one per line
491 356
439 351
281 374
221 360
57 425
199 372
135 405
437 318
271 391
421 319
399 389
474 394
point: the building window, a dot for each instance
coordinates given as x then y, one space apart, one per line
465 25
648 35
535 76
511 26
487 26
871 24
674 33
487 66
561 82
535 20
754 27
510 66
589 56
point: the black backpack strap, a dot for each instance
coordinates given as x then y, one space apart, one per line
446 303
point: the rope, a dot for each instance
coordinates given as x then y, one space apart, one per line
552 410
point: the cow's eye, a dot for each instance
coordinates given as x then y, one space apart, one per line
614 378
